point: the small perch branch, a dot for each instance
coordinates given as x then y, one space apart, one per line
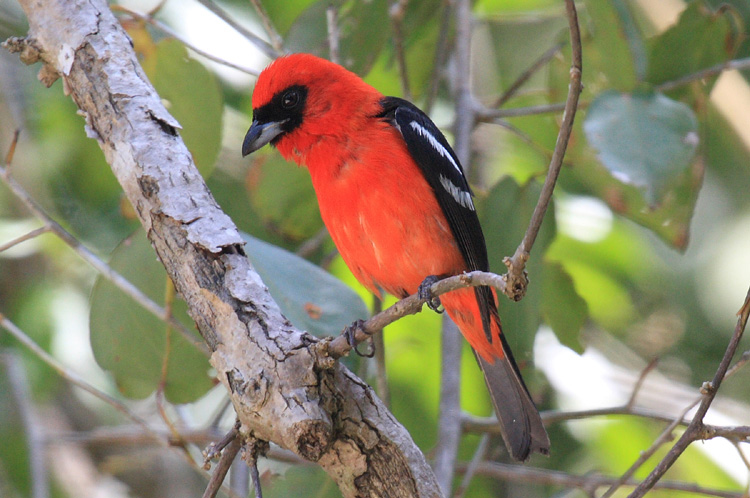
411 305
517 280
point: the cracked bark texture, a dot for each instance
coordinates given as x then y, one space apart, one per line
282 385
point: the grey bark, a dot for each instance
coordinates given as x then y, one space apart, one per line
283 386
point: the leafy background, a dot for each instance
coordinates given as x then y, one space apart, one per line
644 255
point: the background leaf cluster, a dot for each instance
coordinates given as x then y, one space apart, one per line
652 200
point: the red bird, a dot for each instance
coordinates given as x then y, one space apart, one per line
397 205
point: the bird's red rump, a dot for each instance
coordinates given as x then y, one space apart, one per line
461 305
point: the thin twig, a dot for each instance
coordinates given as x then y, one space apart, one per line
695 429
517 280
127 436
490 425
589 482
12 149
666 436
19 389
170 32
530 71
449 408
471 469
332 25
255 448
741 454
23 238
68 374
228 455
737 64
487 115
639 383
239 478
79 381
441 51
741 362
338 347
98 264
262 45
276 42
396 12
381 377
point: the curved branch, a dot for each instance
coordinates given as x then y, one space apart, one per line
340 346
282 389
517 280
697 430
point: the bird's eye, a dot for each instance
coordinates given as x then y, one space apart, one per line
290 99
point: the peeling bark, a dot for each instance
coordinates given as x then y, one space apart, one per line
283 386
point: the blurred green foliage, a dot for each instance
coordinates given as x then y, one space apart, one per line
665 171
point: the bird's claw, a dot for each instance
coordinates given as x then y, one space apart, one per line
350 333
424 293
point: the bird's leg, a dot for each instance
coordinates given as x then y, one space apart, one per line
351 332
424 293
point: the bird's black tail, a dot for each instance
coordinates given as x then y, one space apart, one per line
520 423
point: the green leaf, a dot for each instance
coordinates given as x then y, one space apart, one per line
645 140
700 39
281 192
192 96
133 344
562 308
311 298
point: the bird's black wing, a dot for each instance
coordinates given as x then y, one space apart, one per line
442 170
521 426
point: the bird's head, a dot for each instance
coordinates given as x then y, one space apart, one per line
300 99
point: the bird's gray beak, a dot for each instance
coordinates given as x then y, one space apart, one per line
260 134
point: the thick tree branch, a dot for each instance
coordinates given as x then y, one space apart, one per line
282 389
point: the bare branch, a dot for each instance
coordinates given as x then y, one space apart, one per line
639 383
529 72
276 40
332 25
737 64
440 56
696 428
396 12
262 45
282 388
449 420
100 266
487 115
19 390
340 346
170 32
381 379
517 280
228 455
479 455
666 436
23 238
588 483
68 374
